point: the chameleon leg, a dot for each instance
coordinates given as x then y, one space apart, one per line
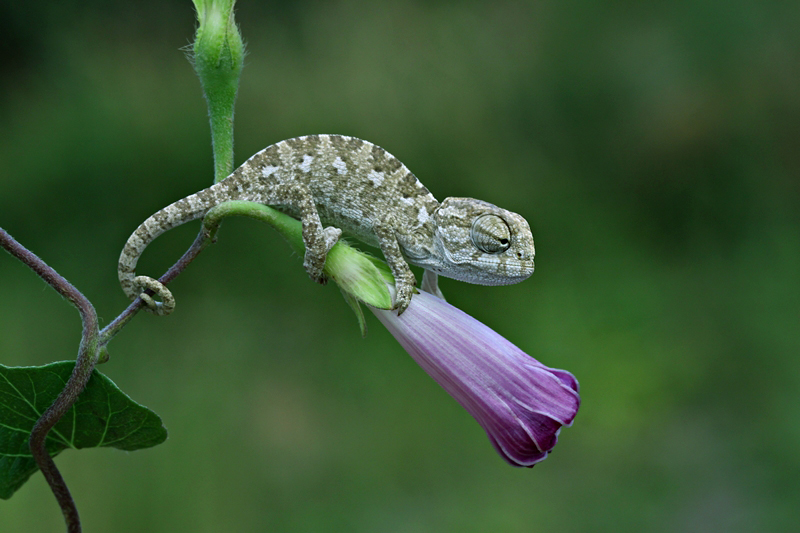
318 240
404 279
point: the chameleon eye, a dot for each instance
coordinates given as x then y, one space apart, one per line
490 234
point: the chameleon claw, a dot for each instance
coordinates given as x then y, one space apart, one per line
314 270
402 298
167 303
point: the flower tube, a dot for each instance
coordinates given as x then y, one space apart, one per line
519 402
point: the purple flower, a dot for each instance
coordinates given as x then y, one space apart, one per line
521 403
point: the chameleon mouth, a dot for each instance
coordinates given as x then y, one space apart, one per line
505 280
493 272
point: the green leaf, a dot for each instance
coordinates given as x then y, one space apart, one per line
103 415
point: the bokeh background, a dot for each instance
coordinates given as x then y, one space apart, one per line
654 148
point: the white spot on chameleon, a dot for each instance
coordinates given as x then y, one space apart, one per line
375 177
340 166
268 171
305 166
422 215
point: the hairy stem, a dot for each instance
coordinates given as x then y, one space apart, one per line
357 274
218 57
87 358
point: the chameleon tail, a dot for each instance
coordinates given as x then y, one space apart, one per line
190 208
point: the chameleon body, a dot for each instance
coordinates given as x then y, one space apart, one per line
358 187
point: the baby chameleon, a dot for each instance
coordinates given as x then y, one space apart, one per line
362 189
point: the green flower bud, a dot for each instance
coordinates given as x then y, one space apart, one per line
218 56
359 275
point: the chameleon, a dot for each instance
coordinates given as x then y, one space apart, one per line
355 186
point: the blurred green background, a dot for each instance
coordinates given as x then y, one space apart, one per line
652 146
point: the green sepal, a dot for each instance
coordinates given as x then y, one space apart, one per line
357 274
355 305
102 416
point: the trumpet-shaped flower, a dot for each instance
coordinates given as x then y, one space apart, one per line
521 403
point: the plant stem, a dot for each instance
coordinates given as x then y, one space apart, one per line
357 274
87 358
202 240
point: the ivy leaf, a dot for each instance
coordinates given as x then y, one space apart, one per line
103 415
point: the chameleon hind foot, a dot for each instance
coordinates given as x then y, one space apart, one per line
314 263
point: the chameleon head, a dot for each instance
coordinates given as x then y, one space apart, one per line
477 242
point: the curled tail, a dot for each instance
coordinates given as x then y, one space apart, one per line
190 208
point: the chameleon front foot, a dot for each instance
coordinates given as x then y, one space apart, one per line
402 297
167 303
404 290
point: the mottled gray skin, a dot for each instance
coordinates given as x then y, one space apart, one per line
358 187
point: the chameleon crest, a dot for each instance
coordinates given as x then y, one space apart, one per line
334 183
